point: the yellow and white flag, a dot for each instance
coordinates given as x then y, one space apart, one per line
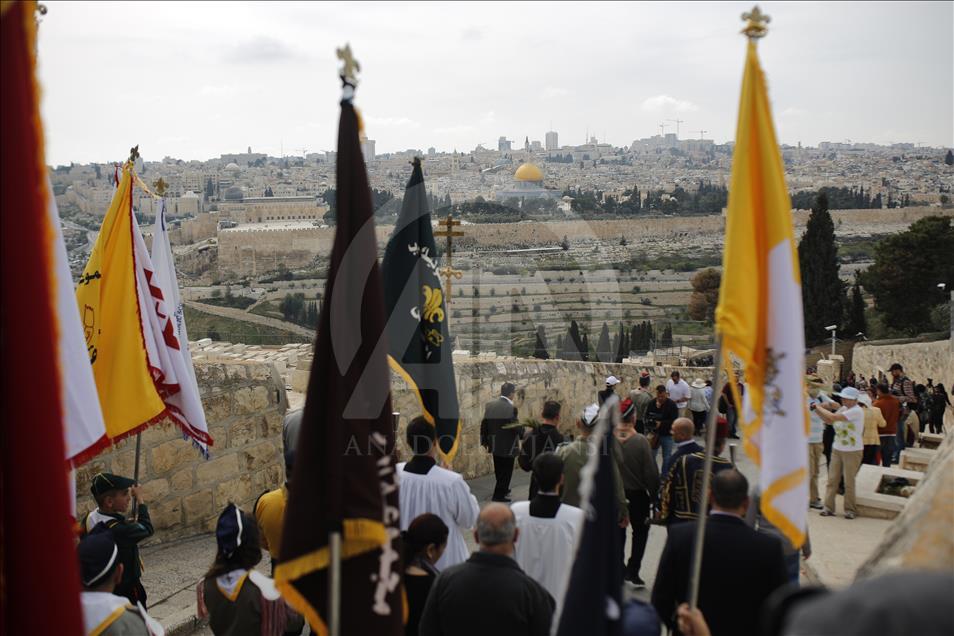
111 311
759 315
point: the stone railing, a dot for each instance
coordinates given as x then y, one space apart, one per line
244 405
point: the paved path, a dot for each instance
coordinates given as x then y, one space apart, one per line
244 316
173 569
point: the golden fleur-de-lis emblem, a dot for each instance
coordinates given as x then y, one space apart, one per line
434 337
433 299
757 23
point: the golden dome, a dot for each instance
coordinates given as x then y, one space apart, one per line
528 172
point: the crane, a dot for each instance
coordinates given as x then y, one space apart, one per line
662 129
677 121
701 133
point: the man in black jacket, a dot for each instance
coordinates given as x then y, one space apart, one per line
502 442
489 593
660 414
543 439
740 566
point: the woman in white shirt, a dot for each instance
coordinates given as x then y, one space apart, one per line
847 449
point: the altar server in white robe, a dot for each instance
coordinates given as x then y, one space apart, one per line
426 487
549 530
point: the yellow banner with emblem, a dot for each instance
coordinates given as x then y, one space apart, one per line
109 304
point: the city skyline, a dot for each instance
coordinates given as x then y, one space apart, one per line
460 75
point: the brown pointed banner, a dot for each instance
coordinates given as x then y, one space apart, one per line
343 477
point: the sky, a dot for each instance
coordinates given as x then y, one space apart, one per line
195 80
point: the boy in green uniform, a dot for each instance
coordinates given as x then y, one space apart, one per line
105 613
112 494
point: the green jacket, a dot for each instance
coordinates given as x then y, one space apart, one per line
127 534
574 457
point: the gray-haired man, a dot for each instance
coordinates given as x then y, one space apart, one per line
488 593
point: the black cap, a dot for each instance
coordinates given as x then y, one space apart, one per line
98 556
896 367
104 482
229 530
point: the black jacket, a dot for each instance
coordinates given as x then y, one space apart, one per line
128 534
543 439
660 418
502 442
487 595
677 452
740 569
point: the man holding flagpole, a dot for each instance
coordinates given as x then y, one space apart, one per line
759 320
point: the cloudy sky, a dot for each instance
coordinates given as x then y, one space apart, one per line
194 80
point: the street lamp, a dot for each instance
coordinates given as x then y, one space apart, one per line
833 330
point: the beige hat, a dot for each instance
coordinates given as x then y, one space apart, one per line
699 383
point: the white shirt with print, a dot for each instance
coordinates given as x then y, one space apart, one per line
848 433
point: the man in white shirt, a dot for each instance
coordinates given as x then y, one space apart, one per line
427 487
679 393
847 449
549 530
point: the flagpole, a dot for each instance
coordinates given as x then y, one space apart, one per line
135 502
334 586
711 419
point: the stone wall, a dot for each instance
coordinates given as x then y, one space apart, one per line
921 537
921 360
244 405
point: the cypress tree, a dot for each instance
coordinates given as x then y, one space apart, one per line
855 320
540 350
667 336
604 352
822 289
949 158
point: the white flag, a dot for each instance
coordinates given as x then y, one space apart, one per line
83 426
184 405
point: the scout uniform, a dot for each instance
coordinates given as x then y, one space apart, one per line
105 613
127 534
243 601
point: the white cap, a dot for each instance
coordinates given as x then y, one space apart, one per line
612 381
589 414
849 393
865 399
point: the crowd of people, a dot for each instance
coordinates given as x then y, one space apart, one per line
866 421
516 580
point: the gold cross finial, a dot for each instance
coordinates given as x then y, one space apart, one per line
757 22
448 271
160 186
134 153
350 66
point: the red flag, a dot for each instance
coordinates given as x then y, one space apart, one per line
40 570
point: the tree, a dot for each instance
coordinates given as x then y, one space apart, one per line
949 158
666 341
705 294
585 349
573 343
604 351
855 320
622 346
208 188
540 350
906 271
822 289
